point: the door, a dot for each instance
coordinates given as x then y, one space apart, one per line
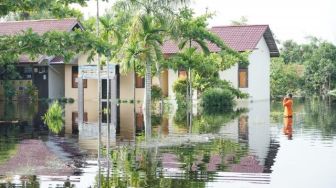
41 81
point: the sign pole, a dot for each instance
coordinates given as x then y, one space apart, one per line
99 99
108 111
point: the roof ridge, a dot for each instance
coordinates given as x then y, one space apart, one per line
253 25
40 20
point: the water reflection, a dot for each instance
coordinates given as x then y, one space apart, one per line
238 148
288 127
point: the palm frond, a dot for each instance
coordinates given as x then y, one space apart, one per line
203 45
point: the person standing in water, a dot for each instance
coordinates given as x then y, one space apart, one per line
288 105
288 115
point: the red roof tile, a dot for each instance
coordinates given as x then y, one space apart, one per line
239 38
38 26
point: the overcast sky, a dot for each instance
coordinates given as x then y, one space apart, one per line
288 19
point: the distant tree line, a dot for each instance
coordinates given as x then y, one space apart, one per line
304 69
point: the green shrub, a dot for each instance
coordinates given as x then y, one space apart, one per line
54 117
217 99
30 91
62 100
9 89
156 93
71 100
180 86
180 90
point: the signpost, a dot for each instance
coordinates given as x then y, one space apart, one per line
90 71
109 73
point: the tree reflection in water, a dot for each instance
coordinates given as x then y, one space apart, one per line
191 164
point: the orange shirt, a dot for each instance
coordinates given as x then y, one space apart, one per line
288 104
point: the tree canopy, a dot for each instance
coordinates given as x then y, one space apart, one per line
304 69
57 8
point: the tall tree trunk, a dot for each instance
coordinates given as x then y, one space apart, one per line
148 98
158 70
134 98
190 102
99 99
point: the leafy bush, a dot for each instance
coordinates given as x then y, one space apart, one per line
223 84
180 86
180 90
62 100
54 117
71 100
30 91
217 99
285 78
9 89
156 93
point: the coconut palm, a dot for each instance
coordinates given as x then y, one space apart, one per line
147 43
148 29
192 32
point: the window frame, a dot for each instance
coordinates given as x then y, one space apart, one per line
243 69
74 77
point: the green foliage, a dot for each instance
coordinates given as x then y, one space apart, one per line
217 100
156 119
24 8
8 142
180 90
319 61
54 117
62 100
30 91
284 78
291 52
156 93
9 89
180 86
320 70
71 100
192 34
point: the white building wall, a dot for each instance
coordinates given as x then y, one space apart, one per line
259 72
56 81
230 75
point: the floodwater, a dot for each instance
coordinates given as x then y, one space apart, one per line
252 146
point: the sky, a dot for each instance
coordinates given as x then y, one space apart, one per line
288 19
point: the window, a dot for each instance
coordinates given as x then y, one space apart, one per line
42 69
139 81
75 78
243 77
243 129
182 74
27 70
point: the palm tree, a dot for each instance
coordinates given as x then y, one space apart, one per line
148 29
191 33
148 41
111 33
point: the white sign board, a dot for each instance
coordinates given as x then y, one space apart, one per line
90 71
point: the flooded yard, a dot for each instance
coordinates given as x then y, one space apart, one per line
252 146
